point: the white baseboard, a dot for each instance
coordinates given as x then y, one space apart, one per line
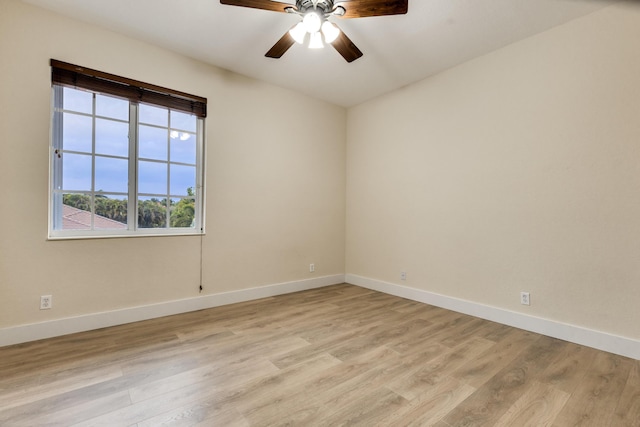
37 331
600 340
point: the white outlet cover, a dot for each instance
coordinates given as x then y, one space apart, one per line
46 302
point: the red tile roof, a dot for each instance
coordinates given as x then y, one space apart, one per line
77 219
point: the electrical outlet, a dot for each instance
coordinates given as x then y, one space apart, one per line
524 298
312 268
403 275
46 302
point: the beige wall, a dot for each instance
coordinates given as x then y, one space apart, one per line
517 171
275 194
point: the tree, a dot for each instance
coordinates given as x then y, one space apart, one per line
183 212
152 213
78 201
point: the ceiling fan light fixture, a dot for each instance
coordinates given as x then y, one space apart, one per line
298 33
316 41
330 32
315 14
312 22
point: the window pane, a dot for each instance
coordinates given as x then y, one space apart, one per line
183 121
183 178
76 172
153 115
115 108
77 100
112 138
152 178
111 212
76 212
152 212
152 143
183 148
112 175
183 212
76 133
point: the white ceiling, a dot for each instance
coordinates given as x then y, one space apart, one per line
398 50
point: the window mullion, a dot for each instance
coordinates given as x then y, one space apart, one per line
132 205
168 202
93 163
199 194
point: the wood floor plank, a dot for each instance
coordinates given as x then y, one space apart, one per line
415 379
482 368
627 413
491 401
54 387
365 410
430 405
475 328
228 374
340 355
539 406
594 402
439 329
327 391
83 411
220 399
568 372
205 412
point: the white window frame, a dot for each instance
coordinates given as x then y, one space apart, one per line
55 200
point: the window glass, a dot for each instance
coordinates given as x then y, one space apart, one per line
111 175
111 212
152 212
76 212
183 148
153 115
183 121
183 178
78 100
152 142
77 132
152 178
114 108
183 212
76 172
112 138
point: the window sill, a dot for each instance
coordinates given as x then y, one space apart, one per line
122 236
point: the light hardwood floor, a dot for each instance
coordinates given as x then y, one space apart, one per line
340 355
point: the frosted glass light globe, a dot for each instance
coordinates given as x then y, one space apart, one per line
312 22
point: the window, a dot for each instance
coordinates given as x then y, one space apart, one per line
126 157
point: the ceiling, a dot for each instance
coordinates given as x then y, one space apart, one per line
398 50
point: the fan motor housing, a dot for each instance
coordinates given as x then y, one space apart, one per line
326 6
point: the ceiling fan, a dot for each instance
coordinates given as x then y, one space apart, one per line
315 14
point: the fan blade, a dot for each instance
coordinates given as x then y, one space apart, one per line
367 8
274 6
281 46
346 48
